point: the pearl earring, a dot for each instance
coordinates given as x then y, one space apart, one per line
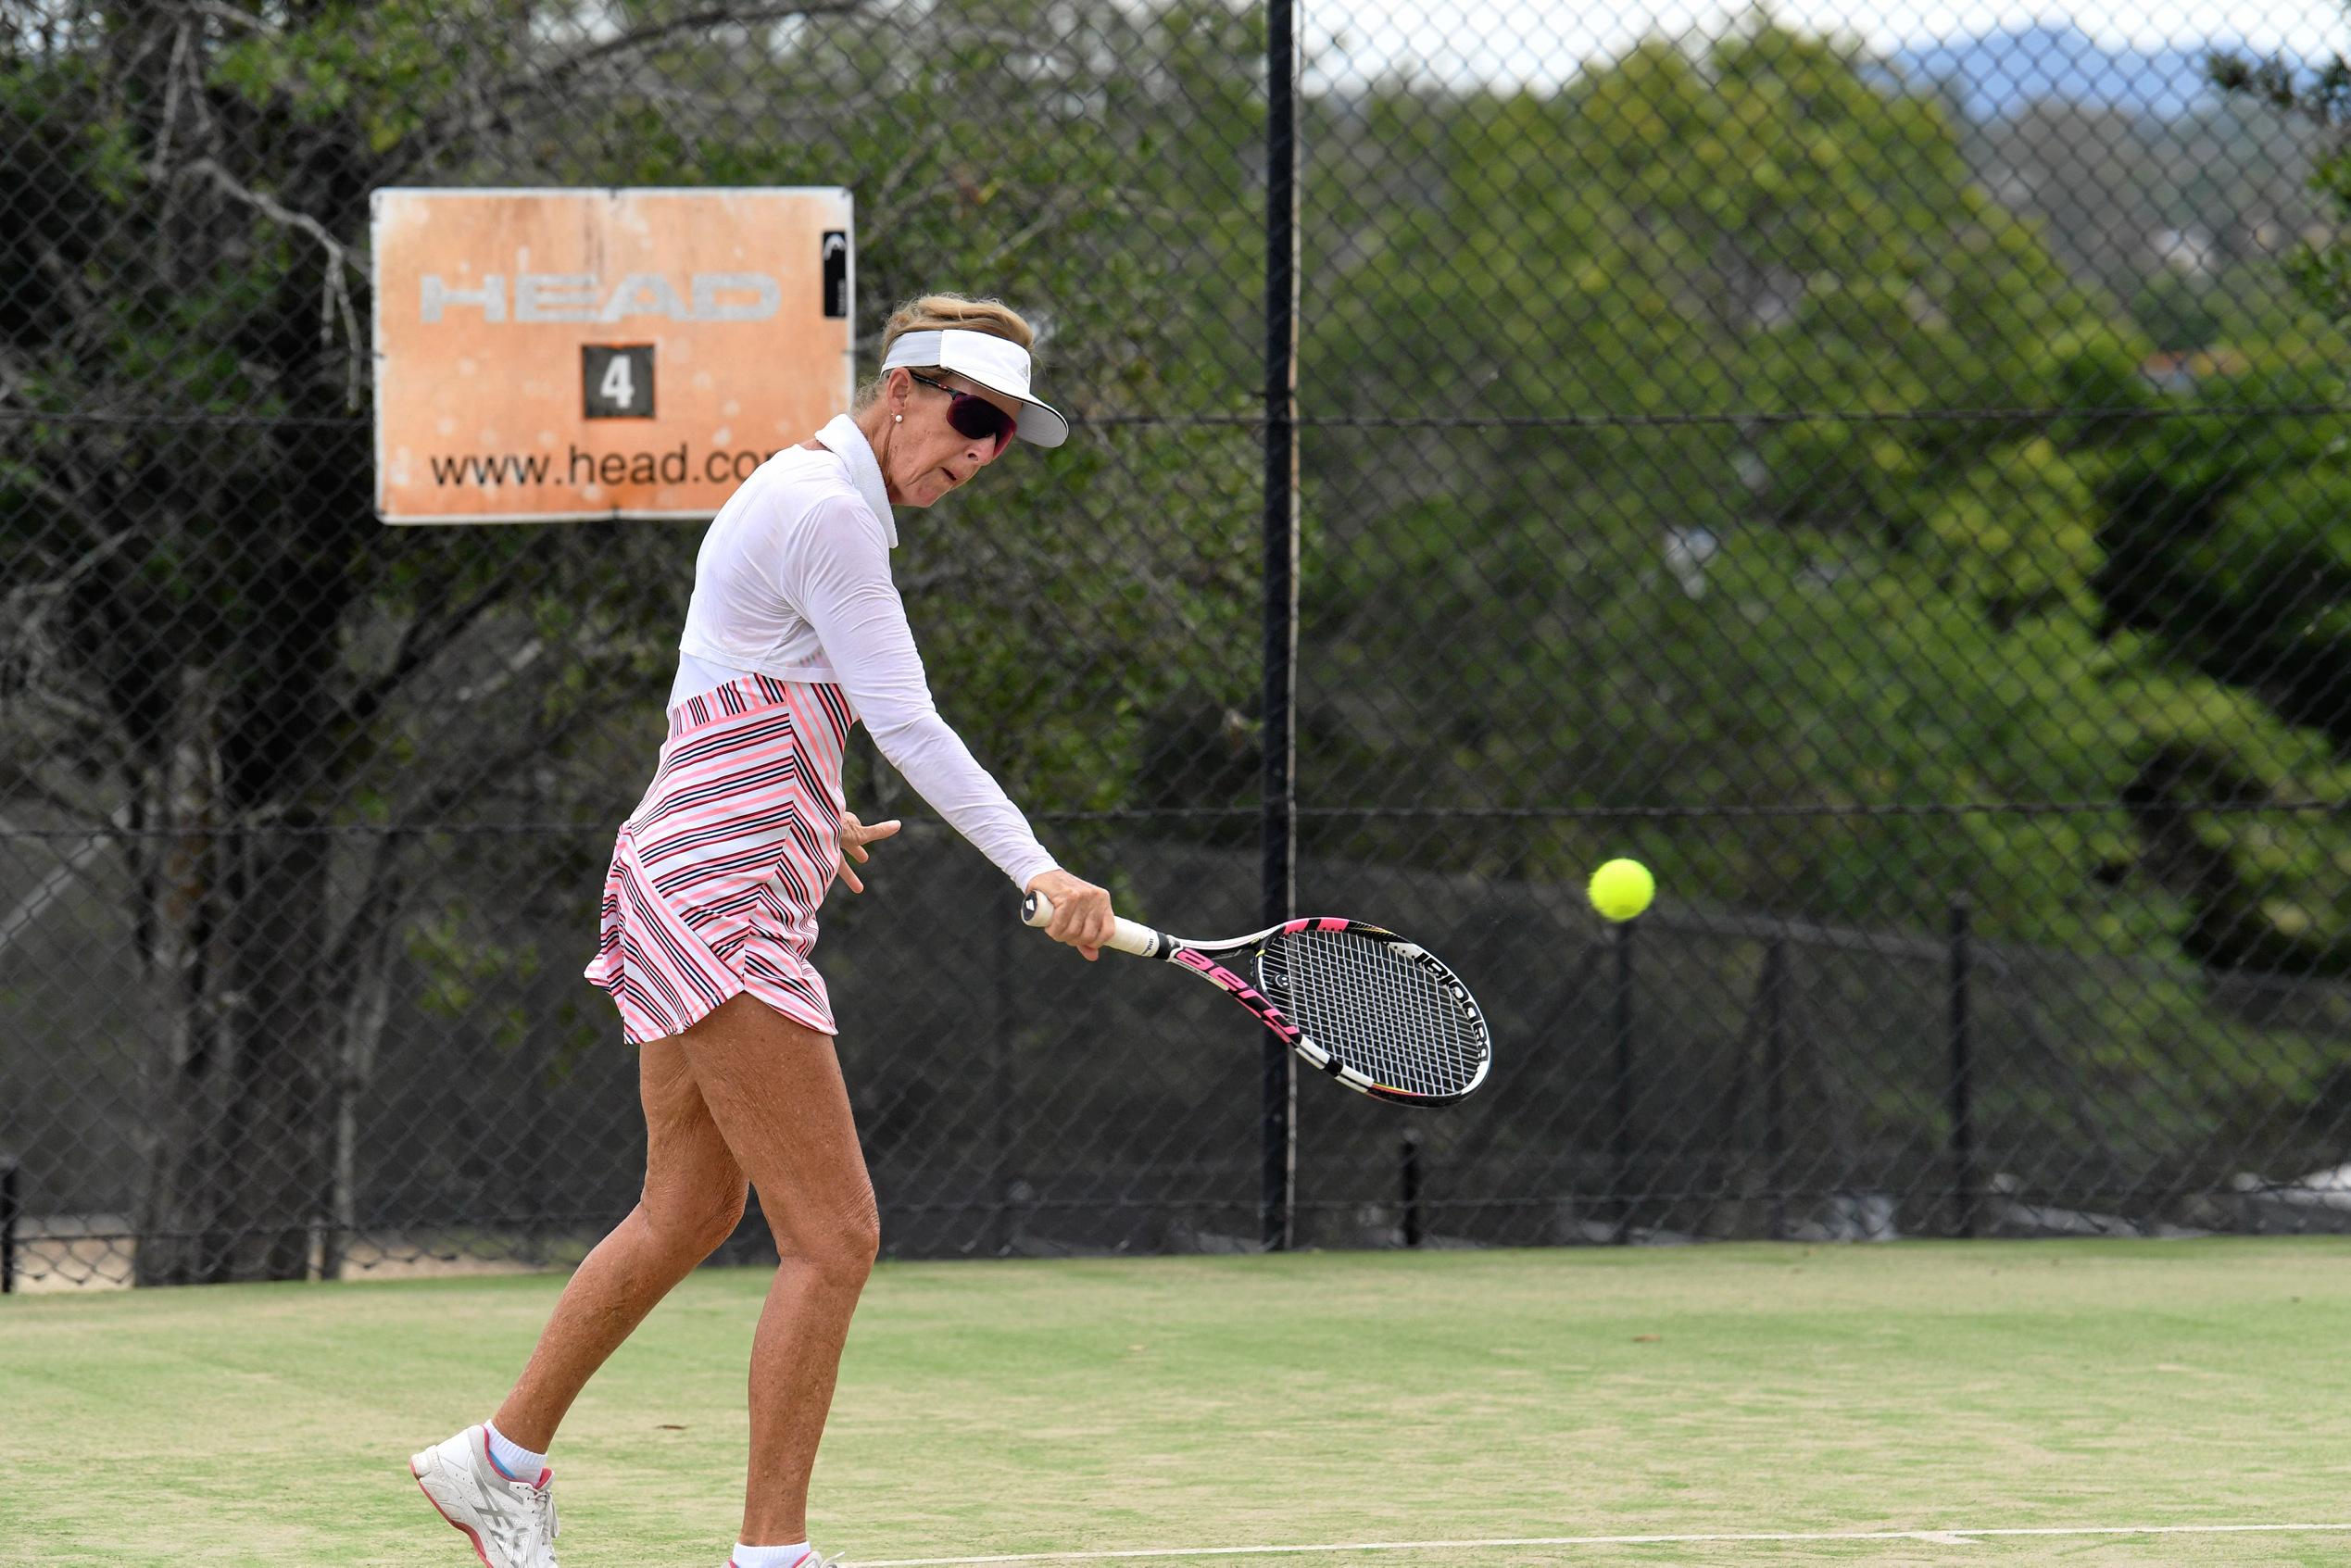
898 419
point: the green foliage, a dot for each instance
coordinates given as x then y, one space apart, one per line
388 70
2319 267
468 978
2018 543
1869 608
2223 535
2179 311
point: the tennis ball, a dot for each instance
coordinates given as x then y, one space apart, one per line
1621 889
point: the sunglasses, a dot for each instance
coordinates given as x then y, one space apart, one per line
973 416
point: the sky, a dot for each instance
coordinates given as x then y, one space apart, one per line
1542 42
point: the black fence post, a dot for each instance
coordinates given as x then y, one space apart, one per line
1411 1186
1775 989
1003 1227
1278 1094
11 1210
1623 1010
1961 1089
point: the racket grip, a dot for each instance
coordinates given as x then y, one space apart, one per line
1127 936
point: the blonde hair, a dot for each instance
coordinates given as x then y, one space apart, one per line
940 312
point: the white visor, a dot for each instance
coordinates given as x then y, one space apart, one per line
984 358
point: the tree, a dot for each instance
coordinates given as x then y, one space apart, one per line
286 719
2320 267
1845 532
1764 280
218 651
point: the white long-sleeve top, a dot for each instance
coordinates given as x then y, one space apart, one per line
793 580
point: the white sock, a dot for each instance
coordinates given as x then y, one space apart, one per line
768 1556
513 1461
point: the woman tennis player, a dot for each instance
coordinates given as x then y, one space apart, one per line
794 635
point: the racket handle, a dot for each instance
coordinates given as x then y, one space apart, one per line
1125 934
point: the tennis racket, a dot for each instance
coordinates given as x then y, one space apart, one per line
1379 1013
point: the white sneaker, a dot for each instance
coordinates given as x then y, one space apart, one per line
511 1524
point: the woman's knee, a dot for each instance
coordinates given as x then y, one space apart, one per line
695 1223
841 1241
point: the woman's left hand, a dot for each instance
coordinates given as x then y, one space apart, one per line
855 837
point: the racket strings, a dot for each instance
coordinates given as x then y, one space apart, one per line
1376 1009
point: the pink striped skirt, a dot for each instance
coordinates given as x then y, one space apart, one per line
717 875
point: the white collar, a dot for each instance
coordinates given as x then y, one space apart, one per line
845 441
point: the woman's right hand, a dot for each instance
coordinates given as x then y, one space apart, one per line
1081 911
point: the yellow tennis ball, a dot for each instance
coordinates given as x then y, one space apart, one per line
1621 889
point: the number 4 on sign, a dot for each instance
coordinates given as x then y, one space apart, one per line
616 381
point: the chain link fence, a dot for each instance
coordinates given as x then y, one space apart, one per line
1892 485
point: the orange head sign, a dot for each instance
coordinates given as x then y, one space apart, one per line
542 355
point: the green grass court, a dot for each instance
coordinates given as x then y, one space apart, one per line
1142 1405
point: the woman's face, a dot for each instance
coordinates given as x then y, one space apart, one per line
923 456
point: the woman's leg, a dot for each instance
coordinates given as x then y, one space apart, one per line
775 1091
693 1197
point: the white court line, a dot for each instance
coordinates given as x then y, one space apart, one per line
1954 1535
